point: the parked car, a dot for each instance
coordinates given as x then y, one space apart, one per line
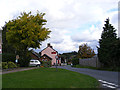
36 63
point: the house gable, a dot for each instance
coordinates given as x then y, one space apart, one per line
49 51
45 58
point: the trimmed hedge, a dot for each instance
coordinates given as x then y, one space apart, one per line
6 57
9 65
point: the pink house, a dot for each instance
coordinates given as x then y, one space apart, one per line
50 53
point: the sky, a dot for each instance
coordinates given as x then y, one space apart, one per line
72 22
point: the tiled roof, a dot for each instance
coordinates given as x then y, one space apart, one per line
47 56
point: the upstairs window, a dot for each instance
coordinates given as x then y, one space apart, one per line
53 52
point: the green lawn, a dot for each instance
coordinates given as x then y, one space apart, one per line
48 78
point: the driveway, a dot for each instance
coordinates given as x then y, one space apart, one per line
108 79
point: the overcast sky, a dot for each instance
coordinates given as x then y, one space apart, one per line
72 22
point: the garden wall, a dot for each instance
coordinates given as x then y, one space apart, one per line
94 62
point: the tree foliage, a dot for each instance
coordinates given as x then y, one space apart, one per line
85 51
26 31
68 56
6 47
107 52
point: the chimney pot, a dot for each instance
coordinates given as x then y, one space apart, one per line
48 44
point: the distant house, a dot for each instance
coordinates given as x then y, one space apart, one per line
50 54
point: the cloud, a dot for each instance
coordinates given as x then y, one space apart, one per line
93 33
72 22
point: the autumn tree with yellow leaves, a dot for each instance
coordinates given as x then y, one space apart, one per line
85 51
27 31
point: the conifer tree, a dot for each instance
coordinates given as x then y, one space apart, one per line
106 43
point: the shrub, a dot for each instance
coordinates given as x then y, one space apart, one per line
46 63
75 61
6 57
4 65
11 65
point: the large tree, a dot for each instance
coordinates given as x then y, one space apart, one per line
27 31
107 45
6 48
85 51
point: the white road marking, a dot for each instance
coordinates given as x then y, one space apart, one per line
108 84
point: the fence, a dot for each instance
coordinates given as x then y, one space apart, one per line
94 62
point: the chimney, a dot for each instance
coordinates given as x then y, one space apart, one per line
51 46
48 44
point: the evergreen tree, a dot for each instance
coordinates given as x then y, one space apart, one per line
106 43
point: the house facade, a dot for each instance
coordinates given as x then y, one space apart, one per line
50 54
45 58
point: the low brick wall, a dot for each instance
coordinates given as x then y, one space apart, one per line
94 62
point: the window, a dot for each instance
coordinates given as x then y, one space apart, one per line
36 61
53 52
32 61
42 59
45 59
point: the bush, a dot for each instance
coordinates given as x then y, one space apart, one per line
4 65
75 61
46 63
11 65
6 57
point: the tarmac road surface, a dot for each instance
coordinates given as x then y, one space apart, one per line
108 79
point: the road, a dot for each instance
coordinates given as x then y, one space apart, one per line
108 79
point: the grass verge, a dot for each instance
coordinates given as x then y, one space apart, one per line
48 78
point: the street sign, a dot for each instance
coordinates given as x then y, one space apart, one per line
56 57
17 57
